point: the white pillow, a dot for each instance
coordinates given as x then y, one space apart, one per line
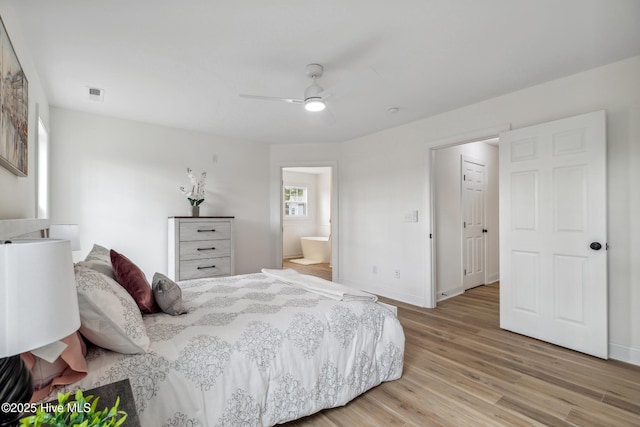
168 295
109 317
98 266
99 253
99 259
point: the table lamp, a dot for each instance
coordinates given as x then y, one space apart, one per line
38 307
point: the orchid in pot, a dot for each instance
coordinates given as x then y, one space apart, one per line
195 194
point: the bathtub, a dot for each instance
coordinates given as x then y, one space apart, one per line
316 248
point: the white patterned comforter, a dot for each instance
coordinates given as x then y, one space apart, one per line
253 351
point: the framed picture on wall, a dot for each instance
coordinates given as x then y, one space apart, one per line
14 112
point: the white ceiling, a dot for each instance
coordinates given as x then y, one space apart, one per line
184 63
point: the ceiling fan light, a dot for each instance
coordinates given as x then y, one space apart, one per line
314 104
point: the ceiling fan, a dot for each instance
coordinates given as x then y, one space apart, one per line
314 95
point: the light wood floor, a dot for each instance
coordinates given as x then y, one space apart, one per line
460 369
318 270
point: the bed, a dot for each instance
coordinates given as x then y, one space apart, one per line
253 349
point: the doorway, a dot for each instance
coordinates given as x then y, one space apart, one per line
465 216
306 212
552 217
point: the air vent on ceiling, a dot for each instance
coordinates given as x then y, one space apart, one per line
96 94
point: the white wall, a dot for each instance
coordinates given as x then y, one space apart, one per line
448 215
381 179
119 180
384 175
18 194
323 220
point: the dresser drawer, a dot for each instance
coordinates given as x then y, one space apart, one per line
200 249
209 267
204 230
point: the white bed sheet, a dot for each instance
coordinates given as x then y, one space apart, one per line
253 351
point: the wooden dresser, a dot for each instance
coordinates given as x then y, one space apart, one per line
200 247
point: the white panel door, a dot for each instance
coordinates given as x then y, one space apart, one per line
553 259
473 248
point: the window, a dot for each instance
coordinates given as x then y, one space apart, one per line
43 170
295 201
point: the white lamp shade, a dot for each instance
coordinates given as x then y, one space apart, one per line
69 232
38 299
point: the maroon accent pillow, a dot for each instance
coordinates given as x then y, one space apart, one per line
134 281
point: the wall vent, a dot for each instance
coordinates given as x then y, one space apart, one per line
96 94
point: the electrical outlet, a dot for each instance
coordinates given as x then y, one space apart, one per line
396 274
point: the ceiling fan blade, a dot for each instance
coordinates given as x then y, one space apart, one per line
273 98
325 94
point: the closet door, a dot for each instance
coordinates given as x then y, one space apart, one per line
473 222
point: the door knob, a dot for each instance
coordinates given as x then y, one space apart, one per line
595 246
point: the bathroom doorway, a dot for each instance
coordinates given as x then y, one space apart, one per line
307 227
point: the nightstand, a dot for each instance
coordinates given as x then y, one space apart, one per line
108 394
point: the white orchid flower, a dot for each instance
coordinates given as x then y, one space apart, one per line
196 194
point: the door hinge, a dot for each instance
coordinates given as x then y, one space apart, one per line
465 272
464 177
464 224
430 235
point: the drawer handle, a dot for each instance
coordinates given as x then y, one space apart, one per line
203 268
207 231
206 249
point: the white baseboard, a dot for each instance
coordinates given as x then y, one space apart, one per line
493 278
441 296
624 354
416 300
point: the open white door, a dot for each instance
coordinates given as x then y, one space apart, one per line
553 259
